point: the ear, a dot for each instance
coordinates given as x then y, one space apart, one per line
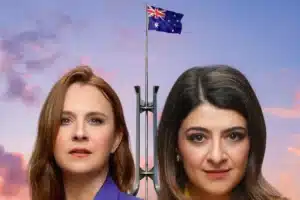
117 141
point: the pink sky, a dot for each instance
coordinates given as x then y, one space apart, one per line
283 178
40 40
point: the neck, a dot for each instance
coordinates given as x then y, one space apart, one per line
196 194
83 186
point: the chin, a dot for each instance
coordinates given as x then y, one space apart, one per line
219 188
78 169
218 191
82 167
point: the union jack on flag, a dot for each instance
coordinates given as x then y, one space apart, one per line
164 20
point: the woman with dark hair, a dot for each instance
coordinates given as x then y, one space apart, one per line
82 147
212 138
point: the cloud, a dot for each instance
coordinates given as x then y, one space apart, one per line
17 50
106 75
18 88
294 150
283 172
12 173
41 65
13 183
295 147
289 113
287 179
287 182
296 136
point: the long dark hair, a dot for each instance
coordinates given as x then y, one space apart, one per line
226 88
44 174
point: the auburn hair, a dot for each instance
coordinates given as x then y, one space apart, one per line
45 177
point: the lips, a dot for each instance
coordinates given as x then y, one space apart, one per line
217 174
80 152
217 171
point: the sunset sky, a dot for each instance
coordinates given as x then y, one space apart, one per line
40 40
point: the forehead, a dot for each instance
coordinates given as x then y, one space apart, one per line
84 97
211 117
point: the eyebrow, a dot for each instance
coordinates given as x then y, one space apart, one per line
92 113
202 129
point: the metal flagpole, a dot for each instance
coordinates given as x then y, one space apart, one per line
146 104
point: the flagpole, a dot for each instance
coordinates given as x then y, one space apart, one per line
146 103
150 107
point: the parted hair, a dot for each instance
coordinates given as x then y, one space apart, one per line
227 88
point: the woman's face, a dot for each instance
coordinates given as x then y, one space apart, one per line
213 145
87 134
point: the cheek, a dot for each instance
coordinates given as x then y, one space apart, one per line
239 154
61 141
102 137
192 156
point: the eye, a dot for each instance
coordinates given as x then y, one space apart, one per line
197 138
65 121
236 136
96 121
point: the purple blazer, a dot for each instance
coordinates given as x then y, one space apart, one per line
110 191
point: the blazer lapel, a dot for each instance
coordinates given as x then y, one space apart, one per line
109 190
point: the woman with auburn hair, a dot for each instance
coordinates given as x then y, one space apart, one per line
212 138
82 148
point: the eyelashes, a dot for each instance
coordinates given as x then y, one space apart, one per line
196 137
236 136
201 137
96 121
93 121
65 121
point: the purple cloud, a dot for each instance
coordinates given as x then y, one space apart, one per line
12 172
14 53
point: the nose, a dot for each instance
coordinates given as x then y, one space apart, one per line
80 133
216 154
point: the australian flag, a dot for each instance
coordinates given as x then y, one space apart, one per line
164 20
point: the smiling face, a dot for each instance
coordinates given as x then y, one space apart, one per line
213 145
87 134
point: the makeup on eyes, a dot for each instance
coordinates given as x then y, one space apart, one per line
196 137
199 134
96 120
65 120
236 136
